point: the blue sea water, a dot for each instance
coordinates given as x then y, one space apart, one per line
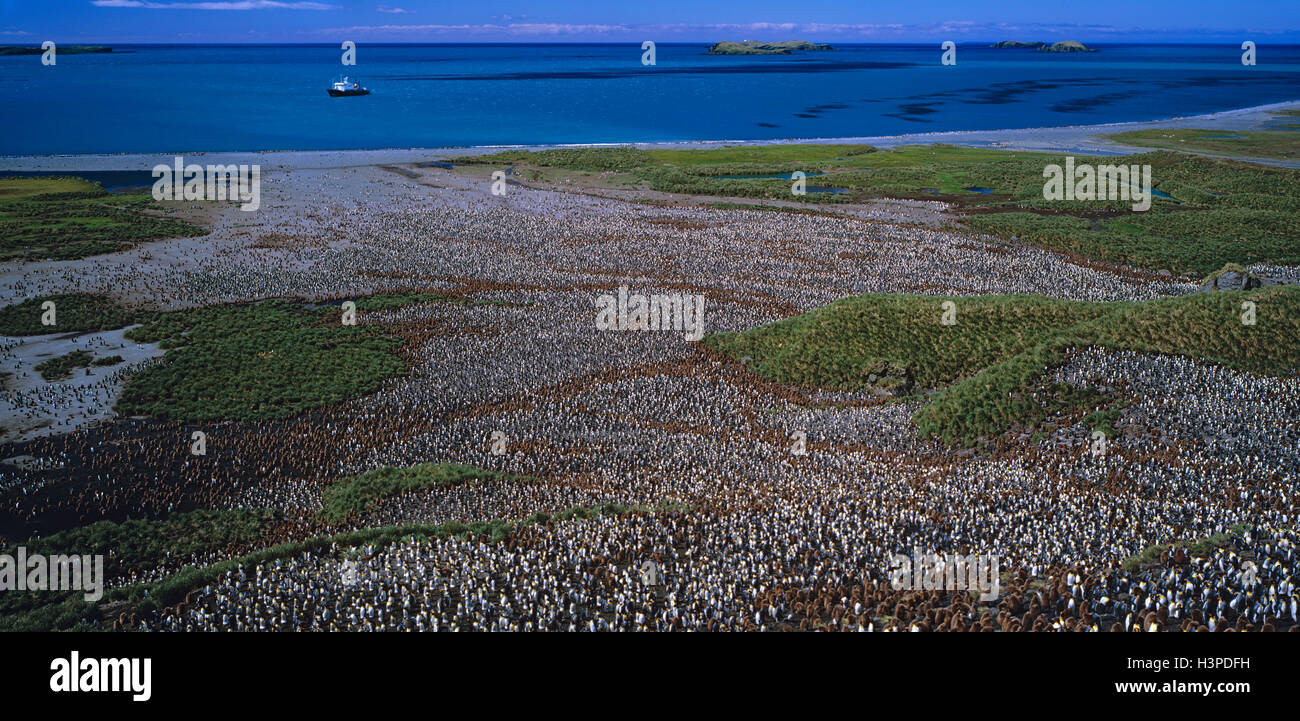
212 98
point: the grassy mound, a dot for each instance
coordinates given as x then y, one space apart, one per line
235 362
67 218
979 372
256 362
61 367
57 611
127 547
357 494
73 313
137 545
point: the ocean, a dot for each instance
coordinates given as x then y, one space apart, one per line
154 98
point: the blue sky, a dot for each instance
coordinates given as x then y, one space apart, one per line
296 21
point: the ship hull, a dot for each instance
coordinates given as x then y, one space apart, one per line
347 93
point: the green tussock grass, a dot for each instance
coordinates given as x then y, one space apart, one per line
73 313
358 494
59 368
1281 141
68 218
139 544
1219 211
60 611
256 362
245 362
1150 556
127 546
978 375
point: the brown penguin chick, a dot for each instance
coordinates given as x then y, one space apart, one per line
1116 628
1016 604
1180 555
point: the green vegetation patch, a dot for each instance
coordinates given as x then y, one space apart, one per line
1282 142
980 373
1216 211
59 368
1150 556
138 545
54 611
233 362
68 218
128 547
73 313
757 47
256 362
357 494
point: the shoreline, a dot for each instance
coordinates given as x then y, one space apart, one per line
1082 139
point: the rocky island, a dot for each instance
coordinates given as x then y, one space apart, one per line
755 47
1065 46
68 50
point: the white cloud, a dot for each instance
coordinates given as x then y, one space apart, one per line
395 11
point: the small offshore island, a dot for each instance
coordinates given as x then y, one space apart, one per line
68 50
755 47
1065 46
